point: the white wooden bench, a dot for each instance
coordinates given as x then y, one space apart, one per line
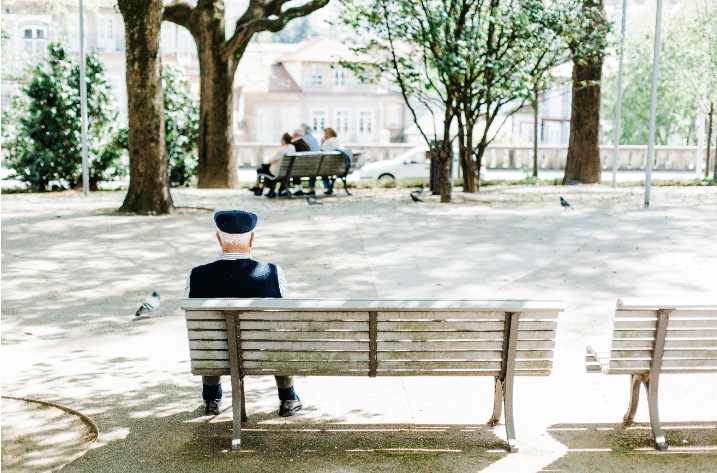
330 165
653 336
331 337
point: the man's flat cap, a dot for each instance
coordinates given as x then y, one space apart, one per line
235 221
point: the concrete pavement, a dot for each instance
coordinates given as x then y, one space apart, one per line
74 271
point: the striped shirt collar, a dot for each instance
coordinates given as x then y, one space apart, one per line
234 256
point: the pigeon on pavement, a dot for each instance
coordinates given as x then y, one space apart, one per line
565 204
149 305
415 198
312 201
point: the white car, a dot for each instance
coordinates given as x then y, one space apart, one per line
413 163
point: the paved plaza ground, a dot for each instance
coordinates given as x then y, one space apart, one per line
74 271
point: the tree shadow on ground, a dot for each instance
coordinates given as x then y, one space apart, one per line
614 447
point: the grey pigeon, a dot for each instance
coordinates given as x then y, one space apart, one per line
565 204
414 198
149 305
312 201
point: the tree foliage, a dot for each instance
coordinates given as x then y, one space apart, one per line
687 82
468 60
43 138
181 124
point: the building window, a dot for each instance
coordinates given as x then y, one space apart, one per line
105 34
339 76
365 122
318 121
317 74
341 122
34 43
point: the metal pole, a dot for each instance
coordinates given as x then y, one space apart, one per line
653 104
83 104
618 108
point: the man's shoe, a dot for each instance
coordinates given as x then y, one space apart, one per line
328 192
253 189
211 408
299 193
271 194
289 408
258 192
284 193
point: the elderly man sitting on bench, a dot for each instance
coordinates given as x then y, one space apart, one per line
235 274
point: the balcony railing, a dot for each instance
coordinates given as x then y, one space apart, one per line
672 158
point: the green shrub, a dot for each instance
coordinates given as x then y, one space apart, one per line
42 131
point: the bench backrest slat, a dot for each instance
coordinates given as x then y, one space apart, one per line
690 343
312 163
453 339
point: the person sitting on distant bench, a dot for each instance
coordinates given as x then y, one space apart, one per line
329 143
266 173
301 145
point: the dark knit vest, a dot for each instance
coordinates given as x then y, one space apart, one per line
234 278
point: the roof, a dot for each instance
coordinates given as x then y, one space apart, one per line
280 80
324 50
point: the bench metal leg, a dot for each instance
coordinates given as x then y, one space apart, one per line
346 187
238 411
497 403
651 388
635 382
509 425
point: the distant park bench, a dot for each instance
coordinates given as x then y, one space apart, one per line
653 336
330 165
332 337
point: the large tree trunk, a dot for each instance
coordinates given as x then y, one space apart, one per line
465 153
217 166
583 161
149 183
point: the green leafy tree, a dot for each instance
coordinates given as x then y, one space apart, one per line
469 60
687 83
43 138
181 124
